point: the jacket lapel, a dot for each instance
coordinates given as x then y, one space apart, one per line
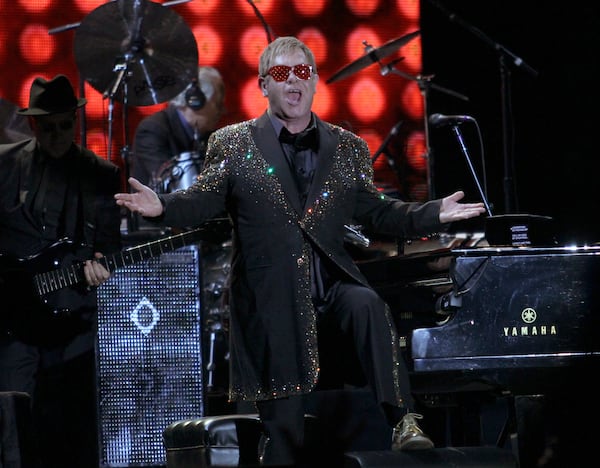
266 140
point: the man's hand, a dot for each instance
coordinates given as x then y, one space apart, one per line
451 210
143 200
95 273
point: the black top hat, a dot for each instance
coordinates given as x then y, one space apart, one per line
51 97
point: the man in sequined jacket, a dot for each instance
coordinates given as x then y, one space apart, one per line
301 311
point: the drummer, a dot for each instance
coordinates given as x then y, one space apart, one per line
181 128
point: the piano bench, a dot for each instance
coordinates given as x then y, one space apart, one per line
226 440
456 457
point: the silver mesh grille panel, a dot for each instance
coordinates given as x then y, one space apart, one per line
149 363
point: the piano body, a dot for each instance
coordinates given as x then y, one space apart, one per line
517 323
515 308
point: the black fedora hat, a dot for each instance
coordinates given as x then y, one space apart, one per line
51 97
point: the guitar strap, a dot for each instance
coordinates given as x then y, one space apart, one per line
71 222
87 184
79 233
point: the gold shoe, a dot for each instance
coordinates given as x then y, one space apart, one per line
407 434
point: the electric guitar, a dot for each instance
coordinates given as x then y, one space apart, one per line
53 279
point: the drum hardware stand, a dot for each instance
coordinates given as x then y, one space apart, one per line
425 84
122 71
214 327
216 268
268 30
375 55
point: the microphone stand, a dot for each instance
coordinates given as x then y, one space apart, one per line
461 142
503 53
383 149
425 84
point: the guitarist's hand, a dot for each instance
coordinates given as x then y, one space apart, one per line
143 200
95 273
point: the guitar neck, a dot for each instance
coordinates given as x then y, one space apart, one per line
54 280
151 249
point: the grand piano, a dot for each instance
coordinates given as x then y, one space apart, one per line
515 308
516 326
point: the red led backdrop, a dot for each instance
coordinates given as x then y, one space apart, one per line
230 36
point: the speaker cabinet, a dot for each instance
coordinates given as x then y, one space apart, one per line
149 356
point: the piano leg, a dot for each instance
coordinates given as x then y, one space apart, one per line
504 437
557 430
531 429
466 419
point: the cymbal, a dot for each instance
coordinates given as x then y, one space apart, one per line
372 55
136 51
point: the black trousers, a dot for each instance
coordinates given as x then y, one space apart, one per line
356 346
61 382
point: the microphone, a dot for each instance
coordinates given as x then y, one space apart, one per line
393 132
440 120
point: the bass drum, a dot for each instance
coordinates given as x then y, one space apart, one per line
178 172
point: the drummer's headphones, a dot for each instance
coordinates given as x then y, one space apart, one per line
194 97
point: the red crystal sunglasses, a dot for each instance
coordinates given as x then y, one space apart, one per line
282 72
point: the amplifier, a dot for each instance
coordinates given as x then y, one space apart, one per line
148 356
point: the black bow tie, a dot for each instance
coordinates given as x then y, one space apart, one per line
307 139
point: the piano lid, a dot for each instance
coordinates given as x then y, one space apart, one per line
516 307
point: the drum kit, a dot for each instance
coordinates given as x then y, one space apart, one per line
178 173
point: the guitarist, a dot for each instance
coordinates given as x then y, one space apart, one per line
53 189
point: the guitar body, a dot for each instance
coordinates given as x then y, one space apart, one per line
31 315
45 295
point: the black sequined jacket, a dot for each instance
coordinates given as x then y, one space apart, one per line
273 340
